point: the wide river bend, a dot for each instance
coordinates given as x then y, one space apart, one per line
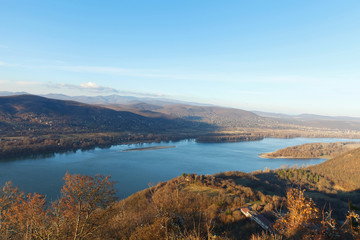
135 170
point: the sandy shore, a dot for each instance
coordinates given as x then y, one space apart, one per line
266 155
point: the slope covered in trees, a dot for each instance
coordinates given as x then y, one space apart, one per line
343 170
35 125
29 114
187 207
313 150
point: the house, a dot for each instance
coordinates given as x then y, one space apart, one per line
246 212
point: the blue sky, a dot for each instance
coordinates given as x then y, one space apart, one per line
279 56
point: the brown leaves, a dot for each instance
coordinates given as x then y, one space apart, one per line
302 214
76 215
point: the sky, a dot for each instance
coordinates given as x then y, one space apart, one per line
277 56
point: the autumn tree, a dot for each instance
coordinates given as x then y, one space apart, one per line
304 220
301 217
352 224
79 213
9 197
23 216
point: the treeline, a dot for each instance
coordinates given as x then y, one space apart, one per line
42 145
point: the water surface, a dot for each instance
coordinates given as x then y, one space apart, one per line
135 170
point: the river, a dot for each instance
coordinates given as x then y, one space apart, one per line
135 170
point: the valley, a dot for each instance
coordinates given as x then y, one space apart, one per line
31 125
207 159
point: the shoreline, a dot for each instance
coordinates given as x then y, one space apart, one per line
26 151
265 155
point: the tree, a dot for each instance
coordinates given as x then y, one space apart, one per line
23 216
80 211
302 216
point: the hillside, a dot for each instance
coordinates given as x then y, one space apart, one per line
34 114
226 118
187 207
343 170
31 125
318 121
313 150
237 121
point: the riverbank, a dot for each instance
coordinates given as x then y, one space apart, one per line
32 146
268 155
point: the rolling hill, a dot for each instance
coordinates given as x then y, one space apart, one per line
30 113
343 170
313 150
229 118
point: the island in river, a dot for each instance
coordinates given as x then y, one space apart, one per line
147 148
313 150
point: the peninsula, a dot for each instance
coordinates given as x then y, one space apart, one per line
313 150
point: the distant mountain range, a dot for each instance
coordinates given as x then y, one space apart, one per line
229 118
307 117
109 99
117 99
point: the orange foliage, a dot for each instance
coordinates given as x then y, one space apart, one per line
302 214
78 214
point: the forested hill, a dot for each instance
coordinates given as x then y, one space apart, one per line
27 114
231 119
313 150
343 170
226 118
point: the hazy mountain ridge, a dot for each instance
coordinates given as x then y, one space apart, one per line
216 115
119 99
313 120
307 116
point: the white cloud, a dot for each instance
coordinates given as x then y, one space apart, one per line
90 85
